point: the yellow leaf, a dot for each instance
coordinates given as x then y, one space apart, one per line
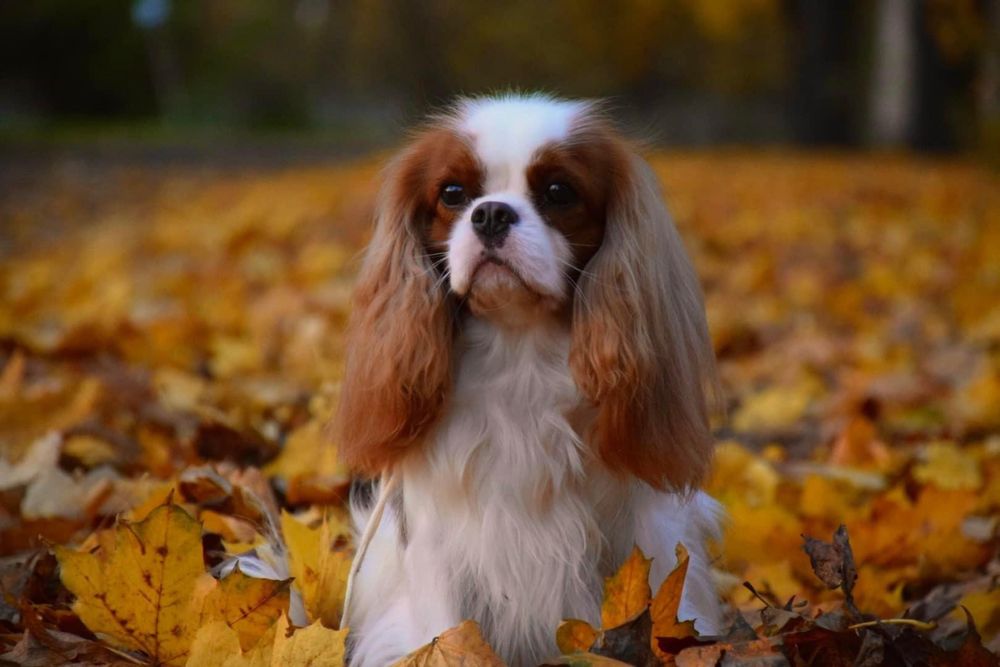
231 529
135 589
312 646
156 494
334 569
879 591
213 645
303 545
462 645
218 645
575 636
260 656
740 474
250 606
773 576
627 592
319 570
91 451
824 498
307 452
664 607
777 407
984 606
948 467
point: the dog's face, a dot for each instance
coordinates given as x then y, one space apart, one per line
515 204
529 211
532 217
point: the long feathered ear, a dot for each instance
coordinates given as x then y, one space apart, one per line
398 369
640 349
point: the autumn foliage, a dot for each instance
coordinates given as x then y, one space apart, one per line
170 351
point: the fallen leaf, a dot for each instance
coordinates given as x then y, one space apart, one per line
629 641
575 636
462 645
136 587
320 568
948 467
311 646
42 455
627 592
56 494
665 606
833 562
248 605
213 645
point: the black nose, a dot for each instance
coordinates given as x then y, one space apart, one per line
492 220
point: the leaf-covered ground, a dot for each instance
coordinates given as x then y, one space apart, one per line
170 349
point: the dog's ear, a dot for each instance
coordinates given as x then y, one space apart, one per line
398 368
640 346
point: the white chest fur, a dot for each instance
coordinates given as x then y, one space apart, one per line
510 498
507 517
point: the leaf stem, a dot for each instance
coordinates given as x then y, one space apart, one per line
919 625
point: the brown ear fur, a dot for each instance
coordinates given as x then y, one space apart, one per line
398 369
640 348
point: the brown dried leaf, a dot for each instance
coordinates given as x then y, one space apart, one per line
460 646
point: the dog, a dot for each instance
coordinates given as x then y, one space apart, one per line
530 377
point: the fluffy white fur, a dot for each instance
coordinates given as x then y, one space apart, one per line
509 521
504 514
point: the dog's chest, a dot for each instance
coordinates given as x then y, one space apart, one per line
509 497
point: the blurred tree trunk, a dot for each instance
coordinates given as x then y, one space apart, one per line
988 90
171 97
893 82
822 107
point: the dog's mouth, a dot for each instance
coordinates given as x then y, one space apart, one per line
497 268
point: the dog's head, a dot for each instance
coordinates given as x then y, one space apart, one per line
529 211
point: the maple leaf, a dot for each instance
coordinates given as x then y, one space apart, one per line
461 645
217 645
627 592
246 604
136 588
311 646
632 624
145 588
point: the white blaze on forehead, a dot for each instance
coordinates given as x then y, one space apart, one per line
506 132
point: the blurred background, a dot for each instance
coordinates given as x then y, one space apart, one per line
350 74
186 186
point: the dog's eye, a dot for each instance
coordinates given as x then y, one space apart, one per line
453 195
560 194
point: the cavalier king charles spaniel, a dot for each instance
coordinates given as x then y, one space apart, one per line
529 374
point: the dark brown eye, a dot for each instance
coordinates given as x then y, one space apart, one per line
560 194
453 195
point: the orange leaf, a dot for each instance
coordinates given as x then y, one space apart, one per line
667 602
627 592
575 636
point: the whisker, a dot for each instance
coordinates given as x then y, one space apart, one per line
444 276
